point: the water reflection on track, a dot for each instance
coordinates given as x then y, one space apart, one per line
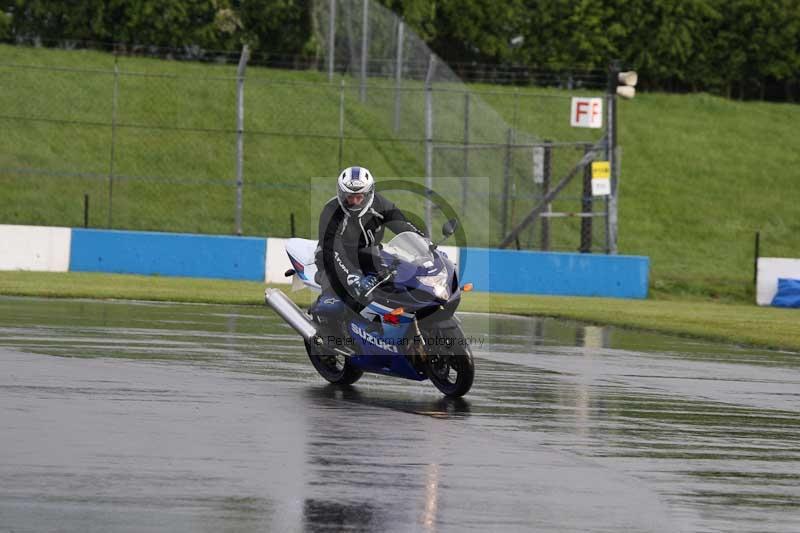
203 418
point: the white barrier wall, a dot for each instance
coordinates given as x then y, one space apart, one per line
522 272
34 248
769 270
452 254
277 262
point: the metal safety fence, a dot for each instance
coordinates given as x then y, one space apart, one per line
112 141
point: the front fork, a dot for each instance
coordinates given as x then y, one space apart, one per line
418 351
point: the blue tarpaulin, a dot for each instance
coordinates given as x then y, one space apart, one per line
788 294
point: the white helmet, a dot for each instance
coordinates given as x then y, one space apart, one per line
353 181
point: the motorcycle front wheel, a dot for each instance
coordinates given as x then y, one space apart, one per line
449 363
333 367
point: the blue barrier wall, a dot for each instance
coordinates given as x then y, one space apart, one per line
563 274
168 254
490 270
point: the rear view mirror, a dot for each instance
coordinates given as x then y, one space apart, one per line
449 227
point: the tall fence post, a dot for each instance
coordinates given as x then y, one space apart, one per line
547 173
586 208
114 99
465 173
398 76
611 153
240 135
331 38
341 122
510 162
506 183
756 255
613 220
364 54
429 143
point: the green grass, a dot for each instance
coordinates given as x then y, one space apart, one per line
700 174
744 324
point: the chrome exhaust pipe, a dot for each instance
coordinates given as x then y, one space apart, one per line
292 314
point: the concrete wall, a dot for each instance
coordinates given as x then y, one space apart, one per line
168 254
769 269
262 259
34 248
564 274
277 261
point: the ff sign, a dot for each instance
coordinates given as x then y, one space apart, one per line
586 113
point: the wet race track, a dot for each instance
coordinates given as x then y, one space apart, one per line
141 417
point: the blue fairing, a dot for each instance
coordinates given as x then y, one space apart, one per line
407 273
391 365
396 334
383 354
382 339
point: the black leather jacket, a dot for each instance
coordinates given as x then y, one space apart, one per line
341 236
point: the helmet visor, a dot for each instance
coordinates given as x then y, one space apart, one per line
356 201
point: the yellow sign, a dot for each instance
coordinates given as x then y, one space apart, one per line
601 170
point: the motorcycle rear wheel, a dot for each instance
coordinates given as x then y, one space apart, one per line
451 368
333 367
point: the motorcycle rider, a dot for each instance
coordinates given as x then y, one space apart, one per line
350 222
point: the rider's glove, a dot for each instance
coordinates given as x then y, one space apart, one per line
363 285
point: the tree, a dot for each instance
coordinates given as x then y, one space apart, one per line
171 23
467 30
5 25
767 31
420 15
668 41
50 20
278 27
566 34
168 23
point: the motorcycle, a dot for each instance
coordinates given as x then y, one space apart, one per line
407 328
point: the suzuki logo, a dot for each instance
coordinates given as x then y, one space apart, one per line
380 343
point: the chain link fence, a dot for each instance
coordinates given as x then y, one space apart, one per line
126 142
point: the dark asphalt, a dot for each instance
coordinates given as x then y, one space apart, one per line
144 417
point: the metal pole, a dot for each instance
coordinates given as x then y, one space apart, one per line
429 142
240 135
114 97
331 39
614 163
586 208
341 122
398 76
506 183
756 256
364 32
547 174
611 149
465 174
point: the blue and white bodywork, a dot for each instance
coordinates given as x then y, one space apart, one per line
415 301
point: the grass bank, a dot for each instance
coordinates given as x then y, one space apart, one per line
736 323
700 174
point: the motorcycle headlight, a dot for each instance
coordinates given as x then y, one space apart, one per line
437 282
